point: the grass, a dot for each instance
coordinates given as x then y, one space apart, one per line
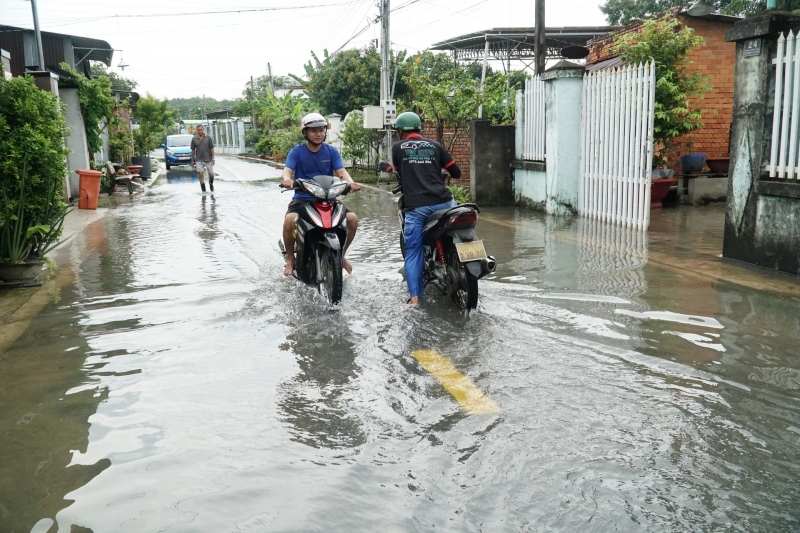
366 176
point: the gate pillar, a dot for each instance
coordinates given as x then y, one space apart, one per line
762 221
563 88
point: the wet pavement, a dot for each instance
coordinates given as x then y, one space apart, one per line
175 380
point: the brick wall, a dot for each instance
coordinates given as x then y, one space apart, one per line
716 60
460 150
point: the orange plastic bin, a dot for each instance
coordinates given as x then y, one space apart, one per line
89 187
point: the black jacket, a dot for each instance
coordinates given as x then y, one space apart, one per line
419 163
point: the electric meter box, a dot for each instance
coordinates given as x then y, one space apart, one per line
389 112
373 117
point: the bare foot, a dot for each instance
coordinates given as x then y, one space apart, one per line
288 270
347 266
413 301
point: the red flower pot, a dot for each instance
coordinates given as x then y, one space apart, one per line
659 189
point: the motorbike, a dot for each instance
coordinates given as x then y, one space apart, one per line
454 259
320 232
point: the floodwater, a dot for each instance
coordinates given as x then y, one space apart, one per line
178 382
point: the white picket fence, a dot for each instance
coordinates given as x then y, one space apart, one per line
617 145
533 128
786 114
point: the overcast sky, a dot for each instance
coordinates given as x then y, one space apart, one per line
177 54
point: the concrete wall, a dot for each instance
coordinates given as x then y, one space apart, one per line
554 186
491 176
530 188
78 157
762 223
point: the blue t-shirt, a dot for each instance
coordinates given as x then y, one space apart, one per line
307 164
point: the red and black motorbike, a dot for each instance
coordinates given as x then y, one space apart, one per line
454 258
320 233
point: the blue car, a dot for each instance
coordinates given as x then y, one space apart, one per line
178 150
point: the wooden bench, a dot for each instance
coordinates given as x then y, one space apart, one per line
114 179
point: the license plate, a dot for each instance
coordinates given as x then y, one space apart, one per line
470 251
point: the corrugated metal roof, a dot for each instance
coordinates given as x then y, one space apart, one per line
608 64
11 39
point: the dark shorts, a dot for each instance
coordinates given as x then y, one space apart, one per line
296 205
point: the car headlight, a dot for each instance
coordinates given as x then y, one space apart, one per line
337 189
170 152
314 189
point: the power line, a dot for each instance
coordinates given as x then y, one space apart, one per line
154 15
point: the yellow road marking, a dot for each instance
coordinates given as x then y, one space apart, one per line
468 395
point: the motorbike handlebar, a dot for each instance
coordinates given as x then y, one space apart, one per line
397 189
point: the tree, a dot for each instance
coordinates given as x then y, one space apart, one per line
350 80
118 82
358 142
627 11
192 107
661 40
449 103
155 119
97 105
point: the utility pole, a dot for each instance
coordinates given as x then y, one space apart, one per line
271 85
38 34
539 47
386 46
205 118
253 102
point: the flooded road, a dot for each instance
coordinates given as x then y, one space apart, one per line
177 381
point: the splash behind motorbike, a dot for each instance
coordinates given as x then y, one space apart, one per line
320 233
454 259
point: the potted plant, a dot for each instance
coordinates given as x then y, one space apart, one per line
155 118
120 139
33 170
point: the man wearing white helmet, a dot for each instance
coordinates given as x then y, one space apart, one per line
314 158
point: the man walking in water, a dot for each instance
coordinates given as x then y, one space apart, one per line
203 157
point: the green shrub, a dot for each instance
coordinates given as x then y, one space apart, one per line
33 169
281 141
460 194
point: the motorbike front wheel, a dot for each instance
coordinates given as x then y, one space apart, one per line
464 288
331 263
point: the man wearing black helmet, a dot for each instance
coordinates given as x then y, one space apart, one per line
305 161
419 163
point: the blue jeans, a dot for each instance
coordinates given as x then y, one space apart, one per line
415 220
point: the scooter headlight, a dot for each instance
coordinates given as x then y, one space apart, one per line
314 189
337 189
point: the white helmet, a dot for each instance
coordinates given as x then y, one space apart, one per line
313 120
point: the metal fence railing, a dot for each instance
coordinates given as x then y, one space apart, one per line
783 161
533 133
617 145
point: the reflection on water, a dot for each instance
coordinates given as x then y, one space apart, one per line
181 383
312 401
611 259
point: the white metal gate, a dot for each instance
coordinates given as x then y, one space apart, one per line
786 113
617 145
533 124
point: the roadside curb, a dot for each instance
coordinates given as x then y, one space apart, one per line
273 164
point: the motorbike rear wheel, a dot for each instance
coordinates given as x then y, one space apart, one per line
465 291
331 263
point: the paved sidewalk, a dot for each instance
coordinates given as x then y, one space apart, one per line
19 306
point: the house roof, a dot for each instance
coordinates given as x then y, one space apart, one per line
518 43
92 49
